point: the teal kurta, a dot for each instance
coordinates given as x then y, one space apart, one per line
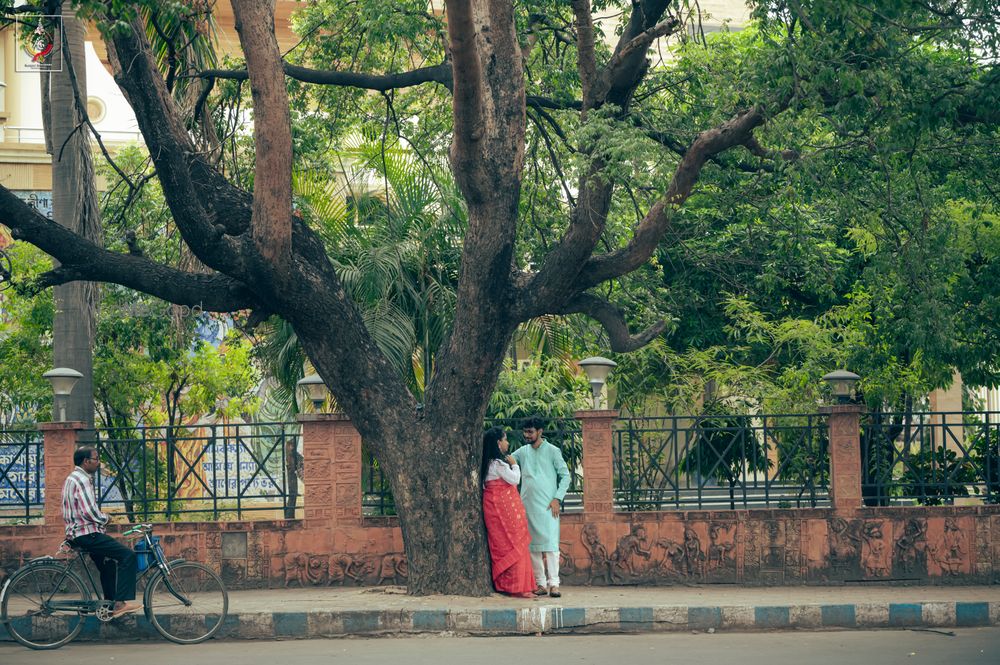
544 477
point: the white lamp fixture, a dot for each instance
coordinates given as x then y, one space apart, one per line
63 380
597 369
842 384
315 389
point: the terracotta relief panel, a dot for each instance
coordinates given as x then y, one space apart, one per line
949 547
909 551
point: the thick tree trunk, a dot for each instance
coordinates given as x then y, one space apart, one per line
438 498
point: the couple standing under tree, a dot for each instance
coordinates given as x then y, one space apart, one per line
523 530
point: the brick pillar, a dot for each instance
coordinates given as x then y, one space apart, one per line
598 457
845 455
59 440
331 451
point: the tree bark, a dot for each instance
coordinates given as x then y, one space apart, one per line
74 205
439 502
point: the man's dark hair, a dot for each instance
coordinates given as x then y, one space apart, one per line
533 422
82 453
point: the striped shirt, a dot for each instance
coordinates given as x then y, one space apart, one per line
79 506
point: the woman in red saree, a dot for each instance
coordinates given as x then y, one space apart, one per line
506 522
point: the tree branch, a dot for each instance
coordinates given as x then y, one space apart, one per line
272 202
468 88
380 82
82 259
621 65
613 321
647 234
615 84
628 65
205 207
585 57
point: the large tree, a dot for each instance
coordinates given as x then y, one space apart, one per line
262 256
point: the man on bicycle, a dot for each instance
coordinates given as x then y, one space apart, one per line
85 529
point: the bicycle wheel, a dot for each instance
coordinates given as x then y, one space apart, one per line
187 605
27 608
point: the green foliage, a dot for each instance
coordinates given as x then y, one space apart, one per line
544 386
722 448
25 342
937 475
985 450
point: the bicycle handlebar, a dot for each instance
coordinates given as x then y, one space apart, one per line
140 529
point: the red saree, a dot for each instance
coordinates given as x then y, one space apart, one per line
508 537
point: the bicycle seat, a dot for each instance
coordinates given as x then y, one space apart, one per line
66 548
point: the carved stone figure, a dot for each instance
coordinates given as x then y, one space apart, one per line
567 565
845 544
672 562
910 548
318 569
630 546
344 567
306 569
393 568
718 549
873 557
949 552
296 564
775 557
600 562
693 556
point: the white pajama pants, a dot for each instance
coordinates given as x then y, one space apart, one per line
542 561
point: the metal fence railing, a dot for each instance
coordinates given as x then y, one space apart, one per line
200 472
936 458
22 476
721 461
564 433
376 495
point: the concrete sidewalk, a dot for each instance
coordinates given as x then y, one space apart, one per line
373 611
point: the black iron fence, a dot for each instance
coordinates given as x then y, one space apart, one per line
200 472
22 476
564 433
929 459
723 461
376 495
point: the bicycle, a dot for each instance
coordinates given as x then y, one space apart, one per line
44 603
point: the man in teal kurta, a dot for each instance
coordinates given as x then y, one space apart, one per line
544 481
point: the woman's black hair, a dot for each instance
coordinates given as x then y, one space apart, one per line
491 450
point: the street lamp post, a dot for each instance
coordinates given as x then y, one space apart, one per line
63 379
315 389
597 369
842 384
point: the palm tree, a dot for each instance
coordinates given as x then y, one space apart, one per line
74 205
397 250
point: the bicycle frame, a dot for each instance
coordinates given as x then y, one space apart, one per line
91 606
164 566
83 606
